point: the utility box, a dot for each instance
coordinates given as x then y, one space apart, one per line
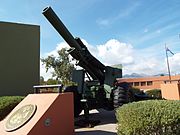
171 91
19 58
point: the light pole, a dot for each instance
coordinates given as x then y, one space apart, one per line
167 60
169 72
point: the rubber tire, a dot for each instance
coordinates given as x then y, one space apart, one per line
77 99
119 97
122 96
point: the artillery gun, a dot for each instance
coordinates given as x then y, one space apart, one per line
101 90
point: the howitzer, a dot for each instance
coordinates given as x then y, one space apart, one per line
102 89
78 50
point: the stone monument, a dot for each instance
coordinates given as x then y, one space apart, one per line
41 114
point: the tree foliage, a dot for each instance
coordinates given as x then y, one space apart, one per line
42 80
51 81
61 65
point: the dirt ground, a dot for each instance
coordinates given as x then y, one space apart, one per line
107 125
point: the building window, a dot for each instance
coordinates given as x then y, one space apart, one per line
131 83
136 83
149 83
143 83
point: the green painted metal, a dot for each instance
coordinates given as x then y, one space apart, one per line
101 79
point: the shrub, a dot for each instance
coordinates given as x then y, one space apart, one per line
154 93
7 103
152 117
136 90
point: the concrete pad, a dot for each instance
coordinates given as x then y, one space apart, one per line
107 125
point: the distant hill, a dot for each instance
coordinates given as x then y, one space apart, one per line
136 75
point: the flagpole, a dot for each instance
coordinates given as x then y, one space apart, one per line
168 64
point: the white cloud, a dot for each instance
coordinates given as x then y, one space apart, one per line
54 52
115 52
149 66
43 72
174 63
133 60
58 47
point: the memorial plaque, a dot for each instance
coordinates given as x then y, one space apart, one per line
20 117
41 114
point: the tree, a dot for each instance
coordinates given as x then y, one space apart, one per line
42 80
61 65
51 81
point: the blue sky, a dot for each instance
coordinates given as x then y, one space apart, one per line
139 27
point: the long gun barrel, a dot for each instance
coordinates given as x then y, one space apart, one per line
79 51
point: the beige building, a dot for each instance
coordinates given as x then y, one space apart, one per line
147 83
19 58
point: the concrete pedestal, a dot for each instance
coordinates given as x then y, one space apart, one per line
53 116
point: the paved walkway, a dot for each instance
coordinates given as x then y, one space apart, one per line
106 127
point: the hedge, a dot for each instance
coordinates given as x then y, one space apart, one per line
7 103
136 90
152 117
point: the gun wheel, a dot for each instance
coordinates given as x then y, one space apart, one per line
122 96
